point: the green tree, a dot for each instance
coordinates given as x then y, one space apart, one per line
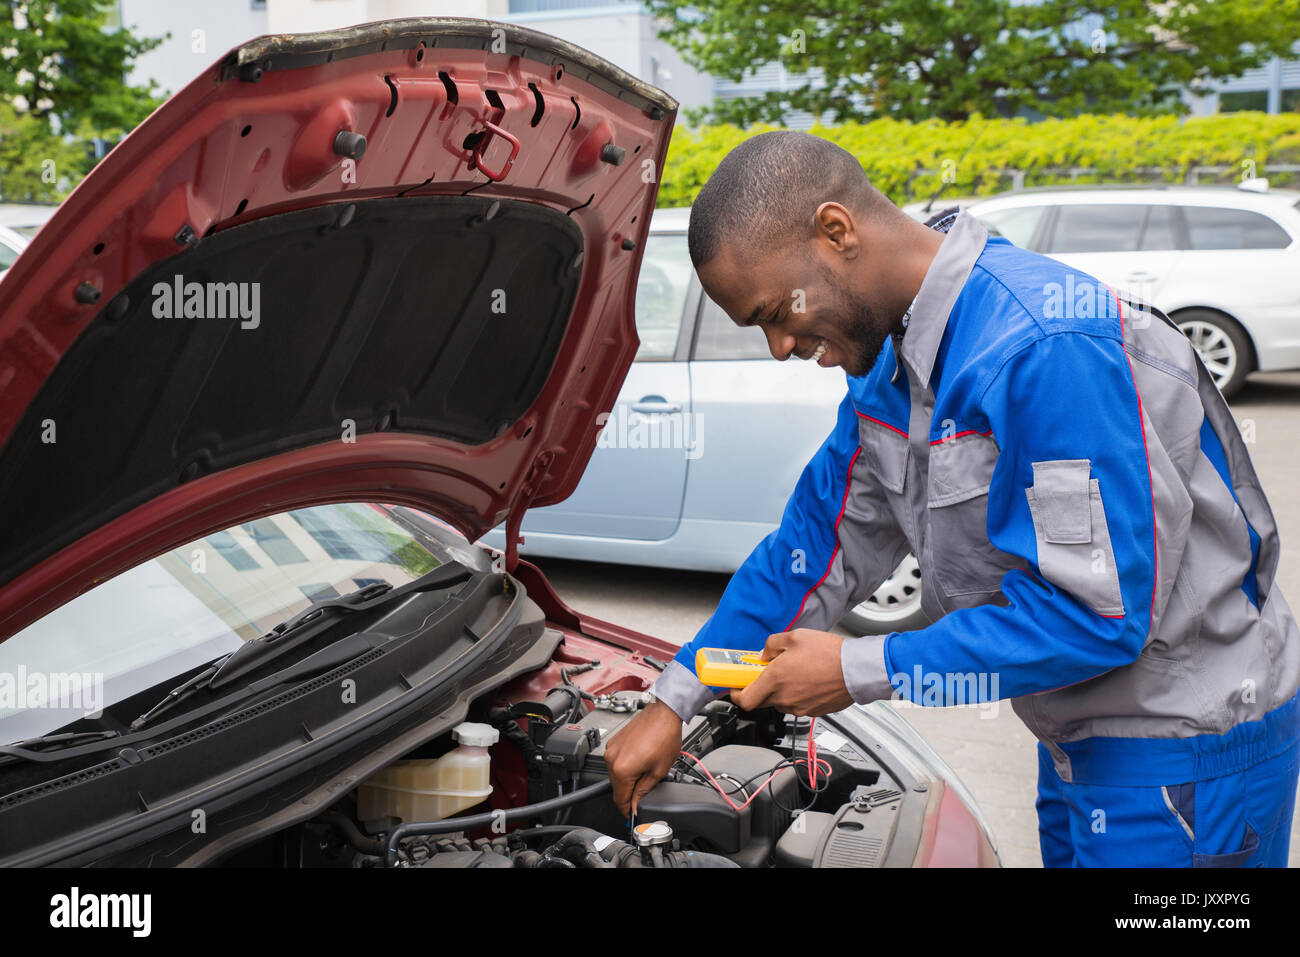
916 59
60 60
36 164
63 83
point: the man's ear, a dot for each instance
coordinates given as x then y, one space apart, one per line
834 225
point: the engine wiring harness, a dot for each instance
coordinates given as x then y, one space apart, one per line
818 771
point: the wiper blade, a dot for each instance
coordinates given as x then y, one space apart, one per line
252 653
287 635
179 694
338 653
32 748
292 633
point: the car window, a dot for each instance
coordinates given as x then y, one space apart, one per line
1213 227
1160 231
1097 229
192 605
720 338
1017 224
661 294
7 256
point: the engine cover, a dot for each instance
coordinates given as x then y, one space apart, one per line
700 816
456 859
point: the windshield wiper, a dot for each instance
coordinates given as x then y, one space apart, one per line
292 633
31 749
275 642
179 693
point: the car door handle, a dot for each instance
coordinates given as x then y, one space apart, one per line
650 404
1142 277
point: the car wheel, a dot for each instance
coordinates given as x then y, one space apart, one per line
1223 346
894 606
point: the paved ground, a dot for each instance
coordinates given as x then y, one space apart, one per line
994 756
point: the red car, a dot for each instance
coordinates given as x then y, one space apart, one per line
389 264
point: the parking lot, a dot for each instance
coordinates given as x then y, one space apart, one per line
994 756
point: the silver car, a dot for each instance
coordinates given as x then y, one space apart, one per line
25 219
702 450
11 245
1222 262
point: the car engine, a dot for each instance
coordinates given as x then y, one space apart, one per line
747 791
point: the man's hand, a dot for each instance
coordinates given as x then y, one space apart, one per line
641 754
804 677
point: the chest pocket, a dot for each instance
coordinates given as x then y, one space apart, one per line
956 545
886 451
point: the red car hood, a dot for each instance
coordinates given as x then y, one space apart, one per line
246 308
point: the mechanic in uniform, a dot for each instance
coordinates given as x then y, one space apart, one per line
1093 541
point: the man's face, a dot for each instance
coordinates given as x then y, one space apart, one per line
808 304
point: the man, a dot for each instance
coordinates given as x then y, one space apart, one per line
1093 541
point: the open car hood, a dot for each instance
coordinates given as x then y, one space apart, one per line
248 308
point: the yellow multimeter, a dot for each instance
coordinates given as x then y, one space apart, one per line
726 668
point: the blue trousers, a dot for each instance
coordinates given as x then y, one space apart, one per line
1239 820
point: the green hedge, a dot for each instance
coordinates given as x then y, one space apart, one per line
1112 148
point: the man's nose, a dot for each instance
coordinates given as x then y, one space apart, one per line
779 343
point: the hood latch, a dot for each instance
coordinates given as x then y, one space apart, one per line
480 144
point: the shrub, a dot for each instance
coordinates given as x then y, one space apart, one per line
907 161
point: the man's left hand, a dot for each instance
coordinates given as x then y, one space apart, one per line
804 676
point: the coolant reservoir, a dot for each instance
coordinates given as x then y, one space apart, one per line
433 788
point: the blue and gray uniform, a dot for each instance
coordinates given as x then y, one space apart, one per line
1091 536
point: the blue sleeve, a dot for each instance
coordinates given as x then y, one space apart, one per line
775 586
1067 397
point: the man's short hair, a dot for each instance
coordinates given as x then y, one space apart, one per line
765 191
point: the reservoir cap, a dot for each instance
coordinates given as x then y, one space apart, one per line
475 735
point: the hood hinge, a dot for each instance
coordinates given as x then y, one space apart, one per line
536 474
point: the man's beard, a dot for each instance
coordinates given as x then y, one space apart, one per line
866 333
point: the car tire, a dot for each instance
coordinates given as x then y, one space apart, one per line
1223 346
894 606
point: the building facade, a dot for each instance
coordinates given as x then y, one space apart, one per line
621 31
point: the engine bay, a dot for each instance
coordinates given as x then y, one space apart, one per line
749 790
464 721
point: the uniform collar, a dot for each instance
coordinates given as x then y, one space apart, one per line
943 282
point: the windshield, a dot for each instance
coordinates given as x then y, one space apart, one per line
195 604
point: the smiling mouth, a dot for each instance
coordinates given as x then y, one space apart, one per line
818 352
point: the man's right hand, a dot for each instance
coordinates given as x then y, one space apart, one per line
641 754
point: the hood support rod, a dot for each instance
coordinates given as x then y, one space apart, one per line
536 474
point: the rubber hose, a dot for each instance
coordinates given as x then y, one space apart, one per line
358 839
588 856
454 824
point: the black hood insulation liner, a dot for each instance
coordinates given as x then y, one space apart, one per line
432 315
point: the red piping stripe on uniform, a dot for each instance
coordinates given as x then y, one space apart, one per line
885 424
1155 537
848 484
947 438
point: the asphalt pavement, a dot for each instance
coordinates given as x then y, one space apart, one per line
993 753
